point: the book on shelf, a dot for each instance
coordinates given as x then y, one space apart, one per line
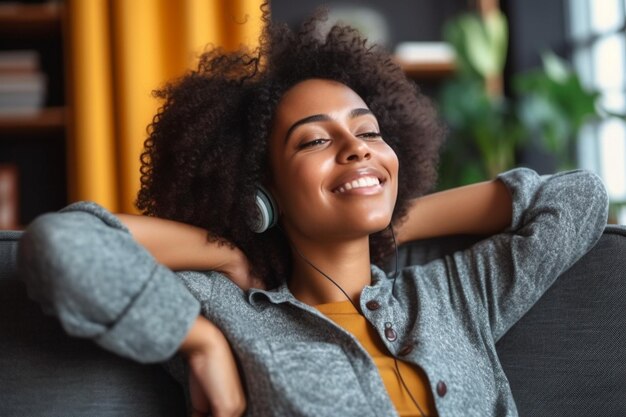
19 61
22 84
8 197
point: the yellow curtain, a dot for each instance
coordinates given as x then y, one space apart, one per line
118 51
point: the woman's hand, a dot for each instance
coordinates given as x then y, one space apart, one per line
214 382
237 267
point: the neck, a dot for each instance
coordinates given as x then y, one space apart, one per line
347 263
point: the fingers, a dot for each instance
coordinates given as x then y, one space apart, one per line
214 378
239 270
258 283
246 280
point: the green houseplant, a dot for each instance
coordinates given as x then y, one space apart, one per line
487 128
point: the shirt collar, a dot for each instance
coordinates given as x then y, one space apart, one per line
281 294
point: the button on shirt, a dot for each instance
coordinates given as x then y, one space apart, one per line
344 314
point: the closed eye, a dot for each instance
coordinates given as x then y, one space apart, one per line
369 135
312 143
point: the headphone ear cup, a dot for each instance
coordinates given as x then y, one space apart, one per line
266 211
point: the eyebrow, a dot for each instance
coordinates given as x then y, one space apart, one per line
324 118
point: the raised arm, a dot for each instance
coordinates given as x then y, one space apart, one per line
555 220
484 208
83 266
176 245
181 246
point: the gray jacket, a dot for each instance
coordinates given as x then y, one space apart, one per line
82 265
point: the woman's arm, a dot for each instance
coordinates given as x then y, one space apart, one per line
555 220
181 246
484 208
83 266
176 245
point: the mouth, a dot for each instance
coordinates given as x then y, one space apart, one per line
360 181
363 182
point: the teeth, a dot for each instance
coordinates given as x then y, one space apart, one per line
359 183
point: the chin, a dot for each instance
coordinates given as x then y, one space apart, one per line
378 229
378 224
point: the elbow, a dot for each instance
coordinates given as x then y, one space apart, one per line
59 255
595 205
41 258
598 195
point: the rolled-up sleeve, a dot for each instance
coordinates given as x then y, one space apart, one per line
555 220
82 265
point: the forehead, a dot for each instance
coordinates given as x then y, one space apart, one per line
316 96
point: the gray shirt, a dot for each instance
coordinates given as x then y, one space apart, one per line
82 265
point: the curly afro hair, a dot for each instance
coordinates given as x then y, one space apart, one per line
207 147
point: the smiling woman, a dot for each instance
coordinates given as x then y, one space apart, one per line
190 162
326 144
299 320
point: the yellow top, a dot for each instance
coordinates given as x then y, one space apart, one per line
344 315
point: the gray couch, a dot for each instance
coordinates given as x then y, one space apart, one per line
566 357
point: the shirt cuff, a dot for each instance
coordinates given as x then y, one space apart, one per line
150 331
522 183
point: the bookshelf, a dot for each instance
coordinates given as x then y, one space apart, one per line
30 19
32 111
46 120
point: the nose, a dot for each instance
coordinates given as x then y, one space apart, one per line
353 149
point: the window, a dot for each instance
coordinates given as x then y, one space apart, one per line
597 32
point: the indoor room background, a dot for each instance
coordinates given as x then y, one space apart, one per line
543 85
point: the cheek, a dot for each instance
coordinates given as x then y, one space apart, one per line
390 159
393 166
300 182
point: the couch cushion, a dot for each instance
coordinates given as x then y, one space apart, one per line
8 252
567 355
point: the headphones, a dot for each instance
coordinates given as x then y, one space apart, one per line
266 211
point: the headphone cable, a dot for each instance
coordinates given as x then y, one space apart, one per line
395 275
327 277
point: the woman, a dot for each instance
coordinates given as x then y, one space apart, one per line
296 320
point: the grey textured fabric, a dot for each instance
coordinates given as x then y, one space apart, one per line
85 268
43 372
572 344
545 382
566 356
453 308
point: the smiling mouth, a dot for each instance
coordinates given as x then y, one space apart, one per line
363 182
